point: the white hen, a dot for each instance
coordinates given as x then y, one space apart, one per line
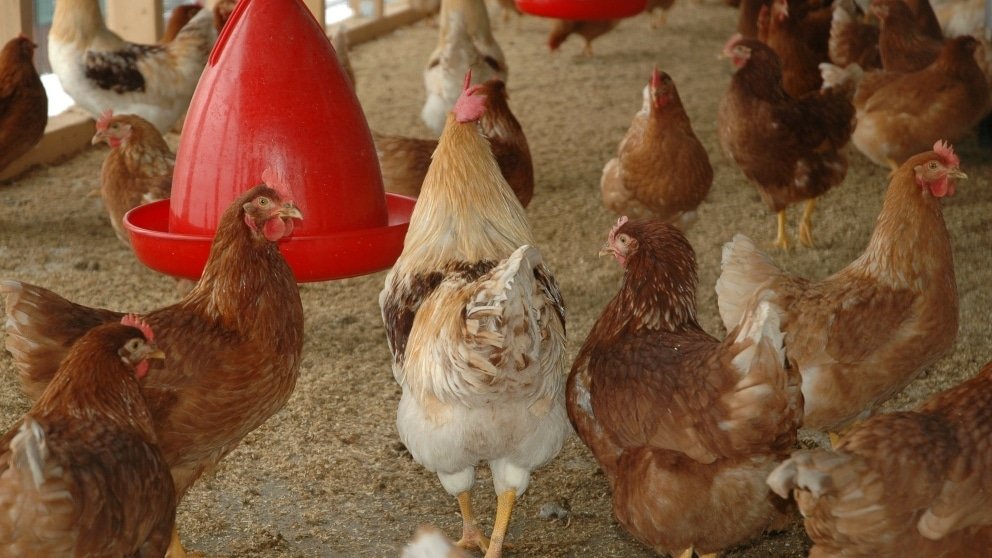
465 42
101 71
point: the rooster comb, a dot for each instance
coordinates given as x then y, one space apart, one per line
946 153
104 121
273 180
613 232
655 77
469 107
137 322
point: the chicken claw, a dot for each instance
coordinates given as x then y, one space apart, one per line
472 536
782 240
176 549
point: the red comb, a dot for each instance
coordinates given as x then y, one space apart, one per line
469 107
136 321
468 79
655 78
613 232
272 179
946 153
104 120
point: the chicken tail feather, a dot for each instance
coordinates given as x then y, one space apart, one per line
29 451
40 328
744 270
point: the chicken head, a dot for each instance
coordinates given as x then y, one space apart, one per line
937 174
271 212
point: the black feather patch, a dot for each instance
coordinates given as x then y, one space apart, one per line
118 70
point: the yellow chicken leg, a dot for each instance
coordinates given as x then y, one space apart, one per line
806 225
587 50
782 240
504 507
176 549
472 536
687 554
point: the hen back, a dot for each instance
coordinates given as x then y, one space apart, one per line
23 101
685 426
912 483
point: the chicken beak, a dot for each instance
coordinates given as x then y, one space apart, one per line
289 211
606 250
958 174
157 353
98 137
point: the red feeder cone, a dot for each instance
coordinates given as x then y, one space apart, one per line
582 9
274 98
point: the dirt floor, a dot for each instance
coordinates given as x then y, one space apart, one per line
327 476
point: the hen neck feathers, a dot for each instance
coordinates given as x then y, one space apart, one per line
910 243
247 285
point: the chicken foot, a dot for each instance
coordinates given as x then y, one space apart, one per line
504 508
472 536
806 225
176 549
782 240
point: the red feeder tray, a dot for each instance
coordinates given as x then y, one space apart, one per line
582 9
273 98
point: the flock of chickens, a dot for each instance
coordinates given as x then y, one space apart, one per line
697 435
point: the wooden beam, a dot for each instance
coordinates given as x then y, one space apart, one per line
138 21
65 135
361 30
16 17
378 8
318 9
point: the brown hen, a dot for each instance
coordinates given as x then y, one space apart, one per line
789 148
902 45
863 333
899 115
23 101
587 29
138 169
81 474
686 427
661 169
233 343
912 483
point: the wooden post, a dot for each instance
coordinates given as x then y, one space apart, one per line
319 9
378 8
356 6
16 17
138 21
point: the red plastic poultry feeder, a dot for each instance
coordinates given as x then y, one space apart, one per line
274 97
582 9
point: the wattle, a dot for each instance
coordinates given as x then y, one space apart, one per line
276 228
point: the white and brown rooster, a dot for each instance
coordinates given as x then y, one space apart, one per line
476 326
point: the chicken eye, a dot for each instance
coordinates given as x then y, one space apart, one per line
932 165
263 201
623 239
